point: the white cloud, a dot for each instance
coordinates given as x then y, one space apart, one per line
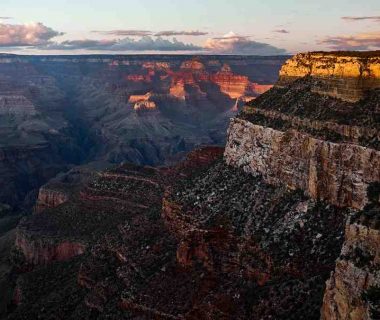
33 34
232 43
126 44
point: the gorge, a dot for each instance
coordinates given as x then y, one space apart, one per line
57 112
281 223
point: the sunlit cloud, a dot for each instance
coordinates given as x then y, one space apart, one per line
232 43
361 41
33 34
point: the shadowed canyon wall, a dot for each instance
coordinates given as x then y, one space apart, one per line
60 111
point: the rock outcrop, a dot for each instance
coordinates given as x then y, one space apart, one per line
346 76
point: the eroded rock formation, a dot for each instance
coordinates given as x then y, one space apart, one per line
343 76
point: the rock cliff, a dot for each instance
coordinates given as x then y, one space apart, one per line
318 131
341 75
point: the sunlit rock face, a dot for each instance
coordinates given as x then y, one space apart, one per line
144 105
137 98
233 85
178 90
343 76
192 65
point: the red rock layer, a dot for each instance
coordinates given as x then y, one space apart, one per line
40 252
48 198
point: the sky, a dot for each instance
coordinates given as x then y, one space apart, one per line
249 27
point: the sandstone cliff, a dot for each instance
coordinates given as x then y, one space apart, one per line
344 76
318 131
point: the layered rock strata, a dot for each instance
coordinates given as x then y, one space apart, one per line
318 131
337 173
342 75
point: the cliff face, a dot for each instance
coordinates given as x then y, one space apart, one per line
337 173
346 77
318 131
352 291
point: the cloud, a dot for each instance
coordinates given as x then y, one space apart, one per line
127 44
362 18
143 33
361 41
126 33
33 34
281 31
6 18
79 45
180 33
232 43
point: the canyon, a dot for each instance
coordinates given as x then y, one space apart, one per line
281 223
58 112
